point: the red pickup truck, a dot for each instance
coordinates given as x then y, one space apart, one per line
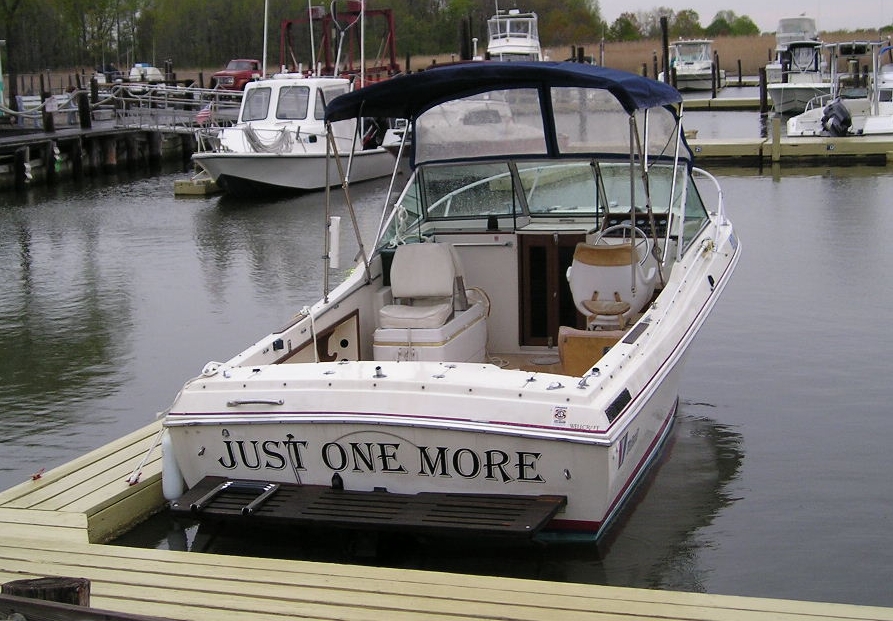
237 74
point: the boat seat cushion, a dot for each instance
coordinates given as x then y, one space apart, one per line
423 279
415 316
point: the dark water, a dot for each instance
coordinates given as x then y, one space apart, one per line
778 479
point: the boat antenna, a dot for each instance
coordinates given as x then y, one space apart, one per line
312 43
266 14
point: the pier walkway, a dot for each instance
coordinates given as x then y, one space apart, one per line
57 525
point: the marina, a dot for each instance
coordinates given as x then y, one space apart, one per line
149 134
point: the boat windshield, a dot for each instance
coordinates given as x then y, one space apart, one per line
504 27
691 52
520 193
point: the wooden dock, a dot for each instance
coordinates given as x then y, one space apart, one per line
55 525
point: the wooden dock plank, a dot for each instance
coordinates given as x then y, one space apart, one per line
62 487
751 148
200 586
113 520
33 517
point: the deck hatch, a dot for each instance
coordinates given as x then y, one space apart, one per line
635 332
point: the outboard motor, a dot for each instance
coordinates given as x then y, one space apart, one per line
836 118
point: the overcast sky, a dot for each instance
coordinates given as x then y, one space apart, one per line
829 14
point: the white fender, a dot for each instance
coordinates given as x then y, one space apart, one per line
172 485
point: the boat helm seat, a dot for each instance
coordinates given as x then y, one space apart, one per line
423 285
609 283
434 317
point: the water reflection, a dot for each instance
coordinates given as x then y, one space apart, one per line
62 309
651 545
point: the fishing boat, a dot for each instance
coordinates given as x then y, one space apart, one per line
279 142
505 359
860 102
790 30
799 72
693 65
513 35
800 75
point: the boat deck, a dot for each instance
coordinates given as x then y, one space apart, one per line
55 525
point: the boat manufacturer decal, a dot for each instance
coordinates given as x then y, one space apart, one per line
625 445
559 415
389 458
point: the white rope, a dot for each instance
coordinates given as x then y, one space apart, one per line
280 144
134 478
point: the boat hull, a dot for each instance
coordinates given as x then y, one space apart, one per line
788 98
404 455
248 173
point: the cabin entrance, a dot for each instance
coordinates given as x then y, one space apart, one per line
546 301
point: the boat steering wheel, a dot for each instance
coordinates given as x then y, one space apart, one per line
635 232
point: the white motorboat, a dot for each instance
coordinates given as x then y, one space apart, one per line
802 76
799 72
506 359
279 142
513 35
790 30
692 63
859 103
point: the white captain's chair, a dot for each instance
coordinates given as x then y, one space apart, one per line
423 282
610 282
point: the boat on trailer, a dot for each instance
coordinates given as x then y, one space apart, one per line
505 360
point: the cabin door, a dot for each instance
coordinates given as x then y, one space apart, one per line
546 301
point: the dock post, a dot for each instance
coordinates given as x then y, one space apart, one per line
95 157
110 155
77 158
51 161
740 77
84 114
132 148
155 140
75 591
764 98
22 167
776 139
187 148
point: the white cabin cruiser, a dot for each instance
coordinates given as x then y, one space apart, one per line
514 35
799 75
280 143
508 356
692 62
859 103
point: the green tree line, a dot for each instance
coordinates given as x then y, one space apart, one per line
85 34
